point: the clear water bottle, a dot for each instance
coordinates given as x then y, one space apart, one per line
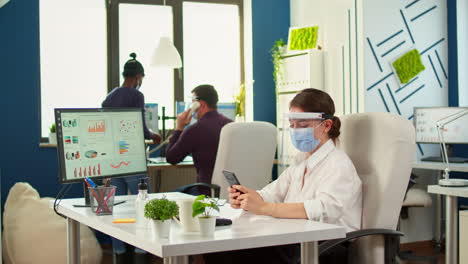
140 203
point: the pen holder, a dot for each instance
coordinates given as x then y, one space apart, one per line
102 199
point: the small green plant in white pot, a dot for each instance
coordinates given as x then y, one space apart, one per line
204 208
52 135
161 211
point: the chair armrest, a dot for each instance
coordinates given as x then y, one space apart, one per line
323 247
187 187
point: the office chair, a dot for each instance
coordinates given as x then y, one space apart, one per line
248 150
382 148
215 189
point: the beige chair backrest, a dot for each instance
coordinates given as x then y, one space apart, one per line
382 148
248 150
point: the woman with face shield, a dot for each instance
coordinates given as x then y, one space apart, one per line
320 183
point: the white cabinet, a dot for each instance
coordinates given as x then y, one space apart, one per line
298 71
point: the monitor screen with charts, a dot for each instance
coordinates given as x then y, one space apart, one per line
425 119
100 143
226 109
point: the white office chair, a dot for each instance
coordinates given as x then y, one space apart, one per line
382 148
248 150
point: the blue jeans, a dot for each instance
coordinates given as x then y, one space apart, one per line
124 185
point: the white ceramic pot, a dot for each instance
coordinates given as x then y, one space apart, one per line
53 138
162 228
207 226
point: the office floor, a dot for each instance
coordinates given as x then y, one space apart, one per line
424 248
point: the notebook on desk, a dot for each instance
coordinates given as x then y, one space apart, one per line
451 159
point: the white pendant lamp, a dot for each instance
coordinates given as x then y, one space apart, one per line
166 55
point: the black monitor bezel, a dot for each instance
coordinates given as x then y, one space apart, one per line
60 149
435 107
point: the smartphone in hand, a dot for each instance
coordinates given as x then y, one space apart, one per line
231 178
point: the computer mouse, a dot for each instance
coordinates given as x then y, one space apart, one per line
223 221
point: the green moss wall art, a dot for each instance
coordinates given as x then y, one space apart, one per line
303 38
408 66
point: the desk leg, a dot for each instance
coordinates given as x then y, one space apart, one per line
309 253
176 260
451 227
73 238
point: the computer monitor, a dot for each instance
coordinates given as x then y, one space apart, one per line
152 117
425 119
100 143
226 109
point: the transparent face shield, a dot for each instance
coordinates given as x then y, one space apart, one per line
296 125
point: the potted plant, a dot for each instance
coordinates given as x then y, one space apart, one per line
204 208
277 51
161 211
240 104
52 135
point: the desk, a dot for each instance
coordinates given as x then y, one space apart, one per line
247 231
451 224
440 166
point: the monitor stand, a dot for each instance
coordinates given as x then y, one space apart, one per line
87 200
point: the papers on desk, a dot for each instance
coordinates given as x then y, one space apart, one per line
161 160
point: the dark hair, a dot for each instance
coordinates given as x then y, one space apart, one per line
313 100
133 67
208 94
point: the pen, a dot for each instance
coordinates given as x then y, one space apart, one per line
91 182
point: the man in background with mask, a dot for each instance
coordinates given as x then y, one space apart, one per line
200 139
128 95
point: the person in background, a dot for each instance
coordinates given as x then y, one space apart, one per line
128 95
200 139
320 185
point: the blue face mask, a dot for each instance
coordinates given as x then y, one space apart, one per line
303 139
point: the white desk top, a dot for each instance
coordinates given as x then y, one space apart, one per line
247 230
450 191
429 165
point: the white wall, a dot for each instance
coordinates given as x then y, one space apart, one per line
340 35
462 37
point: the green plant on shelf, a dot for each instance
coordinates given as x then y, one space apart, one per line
161 209
276 53
52 128
204 206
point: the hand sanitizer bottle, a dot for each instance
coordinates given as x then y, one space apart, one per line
140 203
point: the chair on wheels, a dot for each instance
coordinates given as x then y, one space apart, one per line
415 198
382 148
215 189
248 150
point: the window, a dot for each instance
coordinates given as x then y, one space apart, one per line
73 56
141 27
212 48
84 45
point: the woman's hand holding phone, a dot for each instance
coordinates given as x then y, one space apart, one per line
247 199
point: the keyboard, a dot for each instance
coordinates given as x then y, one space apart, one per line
160 160
451 159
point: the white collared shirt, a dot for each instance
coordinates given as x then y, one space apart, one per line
330 189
